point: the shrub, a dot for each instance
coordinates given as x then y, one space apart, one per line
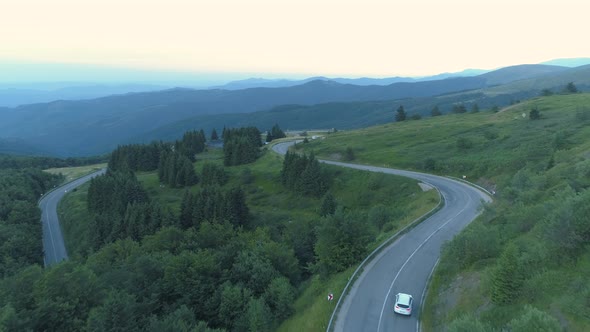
348 154
379 215
464 143
534 319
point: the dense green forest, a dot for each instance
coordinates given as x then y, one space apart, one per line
20 229
19 162
230 252
524 265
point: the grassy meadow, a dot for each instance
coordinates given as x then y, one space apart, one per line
487 147
72 173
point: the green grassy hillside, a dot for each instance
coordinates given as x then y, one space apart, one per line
524 264
483 145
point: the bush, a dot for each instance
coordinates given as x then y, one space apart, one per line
464 143
342 241
429 164
534 319
534 114
348 154
378 216
468 323
328 205
490 135
570 88
246 176
459 108
375 181
476 243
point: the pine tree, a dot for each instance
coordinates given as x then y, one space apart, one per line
311 181
162 166
214 136
400 114
236 210
277 132
507 278
328 205
186 210
171 169
186 175
459 108
435 111
241 146
571 88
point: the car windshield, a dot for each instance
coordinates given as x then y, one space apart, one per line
405 306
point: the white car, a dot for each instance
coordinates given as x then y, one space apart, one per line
403 304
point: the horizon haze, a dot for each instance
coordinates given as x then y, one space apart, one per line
287 39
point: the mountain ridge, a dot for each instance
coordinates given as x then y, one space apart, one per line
96 126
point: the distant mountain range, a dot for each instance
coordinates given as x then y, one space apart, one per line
20 94
571 62
12 95
19 83
364 81
96 126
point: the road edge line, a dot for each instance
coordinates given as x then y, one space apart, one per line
424 294
355 275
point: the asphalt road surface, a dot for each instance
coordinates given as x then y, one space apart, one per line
53 242
406 264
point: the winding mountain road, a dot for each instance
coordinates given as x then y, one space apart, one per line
53 242
405 265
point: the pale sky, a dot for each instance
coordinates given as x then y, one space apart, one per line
351 38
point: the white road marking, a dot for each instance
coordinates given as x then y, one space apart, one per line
409 258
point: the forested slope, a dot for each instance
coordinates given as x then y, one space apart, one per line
230 249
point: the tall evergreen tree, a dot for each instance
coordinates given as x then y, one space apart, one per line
236 210
213 174
186 210
328 205
571 88
507 278
214 136
400 114
459 108
275 133
435 111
